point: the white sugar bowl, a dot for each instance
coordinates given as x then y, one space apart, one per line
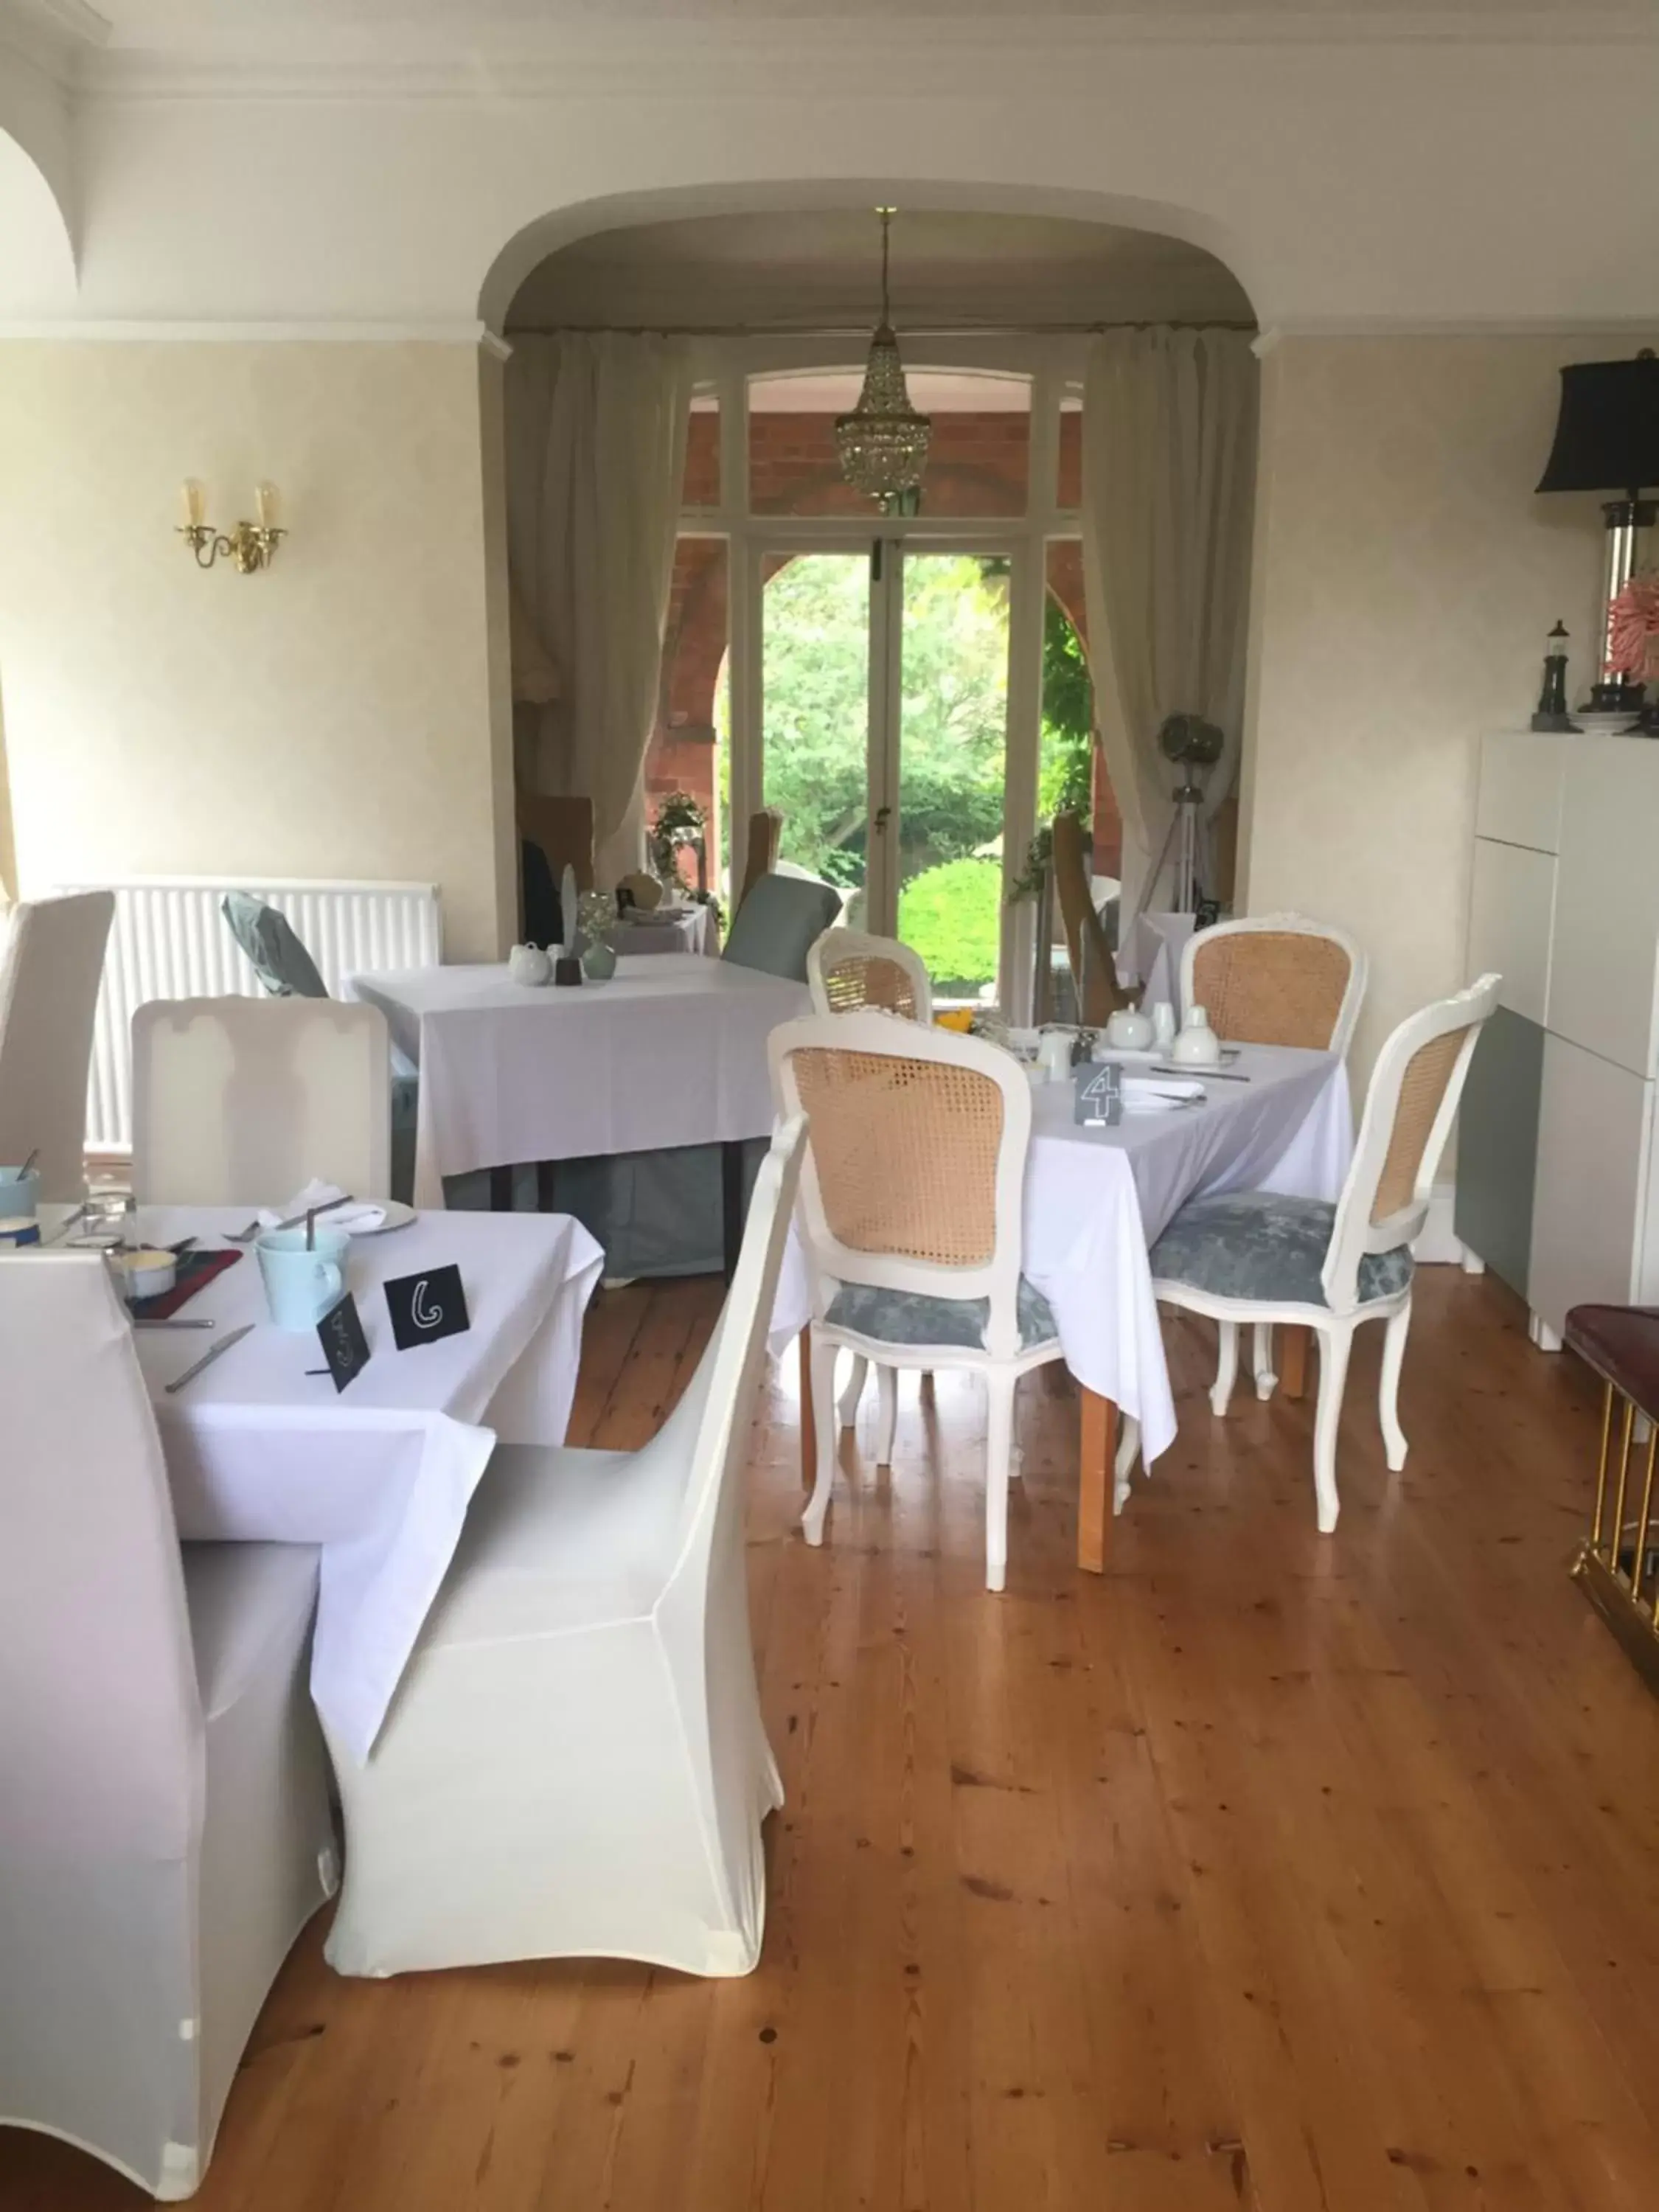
1129 1031
1196 1044
528 963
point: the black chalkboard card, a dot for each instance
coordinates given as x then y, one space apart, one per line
426 1307
345 1347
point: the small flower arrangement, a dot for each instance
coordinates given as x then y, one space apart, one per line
596 915
1633 632
679 821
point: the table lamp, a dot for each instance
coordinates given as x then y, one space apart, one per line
1606 438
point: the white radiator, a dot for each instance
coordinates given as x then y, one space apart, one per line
169 940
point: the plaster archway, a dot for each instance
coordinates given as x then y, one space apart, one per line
547 234
37 247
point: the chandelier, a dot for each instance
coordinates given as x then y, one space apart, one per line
883 443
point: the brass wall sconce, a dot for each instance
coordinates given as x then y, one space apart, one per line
250 545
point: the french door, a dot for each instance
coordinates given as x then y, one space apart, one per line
881 675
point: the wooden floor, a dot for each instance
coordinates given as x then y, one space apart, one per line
1270 1870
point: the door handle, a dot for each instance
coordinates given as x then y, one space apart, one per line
884 814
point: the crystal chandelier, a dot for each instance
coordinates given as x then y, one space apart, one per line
883 443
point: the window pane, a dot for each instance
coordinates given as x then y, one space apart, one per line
1070 491
815 704
702 453
952 755
684 754
978 464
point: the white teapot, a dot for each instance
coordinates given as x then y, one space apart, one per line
1129 1031
1197 1045
528 963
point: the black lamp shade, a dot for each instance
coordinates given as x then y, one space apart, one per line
1606 437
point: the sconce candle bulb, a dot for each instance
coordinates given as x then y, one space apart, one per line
250 545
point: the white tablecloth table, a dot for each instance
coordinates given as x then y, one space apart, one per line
1096 1201
379 1475
671 1051
674 929
1152 958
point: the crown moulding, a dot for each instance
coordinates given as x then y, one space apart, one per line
479 62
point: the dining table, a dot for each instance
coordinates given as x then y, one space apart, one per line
260 1446
689 926
1096 1199
669 1051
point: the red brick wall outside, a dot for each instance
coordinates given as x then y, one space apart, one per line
977 466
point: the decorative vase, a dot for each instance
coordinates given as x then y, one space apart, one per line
598 961
1197 1046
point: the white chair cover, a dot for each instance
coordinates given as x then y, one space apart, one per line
575 1764
52 962
242 1101
164 1824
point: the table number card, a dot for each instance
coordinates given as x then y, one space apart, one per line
345 1347
1098 1095
427 1306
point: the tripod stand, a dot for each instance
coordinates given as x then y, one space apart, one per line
1182 835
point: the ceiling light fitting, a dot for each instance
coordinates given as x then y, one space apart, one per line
883 443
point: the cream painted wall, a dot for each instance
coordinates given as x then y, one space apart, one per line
333 717
1405 576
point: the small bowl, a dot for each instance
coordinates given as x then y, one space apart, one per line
19 1193
145 1274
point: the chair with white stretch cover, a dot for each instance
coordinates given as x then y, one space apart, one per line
241 1102
575 1765
848 971
164 1819
51 963
1275 979
910 1214
1256 1256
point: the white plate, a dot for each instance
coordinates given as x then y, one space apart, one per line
398 1216
1130 1054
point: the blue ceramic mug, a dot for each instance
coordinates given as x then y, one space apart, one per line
19 1193
301 1286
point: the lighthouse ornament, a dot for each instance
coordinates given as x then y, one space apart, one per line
1552 711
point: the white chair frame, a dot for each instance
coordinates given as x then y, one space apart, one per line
1347 1017
1001 1360
837 946
52 966
1288 925
1353 1235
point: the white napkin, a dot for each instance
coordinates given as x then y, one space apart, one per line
357 1219
1144 1094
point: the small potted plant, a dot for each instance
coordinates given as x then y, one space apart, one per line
679 821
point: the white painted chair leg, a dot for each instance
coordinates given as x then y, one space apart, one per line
1226 1366
847 1410
823 1399
1388 1401
1261 1359
1128 1451
999 1446
1334 1344
887 1421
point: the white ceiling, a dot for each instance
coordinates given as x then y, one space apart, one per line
820 267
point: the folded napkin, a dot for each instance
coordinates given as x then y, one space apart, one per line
357 1219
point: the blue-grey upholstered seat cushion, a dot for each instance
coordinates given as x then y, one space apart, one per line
913 1317
281 961
778 922
1257 1244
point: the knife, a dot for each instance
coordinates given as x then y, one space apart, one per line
208 1357
1203 1074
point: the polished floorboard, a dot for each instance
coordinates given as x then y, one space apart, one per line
1269 1870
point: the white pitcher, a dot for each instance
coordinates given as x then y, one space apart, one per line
1197 1046
528 963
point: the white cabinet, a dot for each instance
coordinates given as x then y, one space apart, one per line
1522 773
1604 950
1592 1241
1511 908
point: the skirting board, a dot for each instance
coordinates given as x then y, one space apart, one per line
1439 1243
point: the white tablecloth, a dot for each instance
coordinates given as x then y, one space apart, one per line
1097 1199
679 929
381 1475
1152 957
671 1051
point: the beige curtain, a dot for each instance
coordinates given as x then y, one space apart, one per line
1168 479
596 425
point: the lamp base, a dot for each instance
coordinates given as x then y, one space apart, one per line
1557 725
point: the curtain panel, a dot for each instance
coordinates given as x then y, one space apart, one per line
596 429
1168 482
